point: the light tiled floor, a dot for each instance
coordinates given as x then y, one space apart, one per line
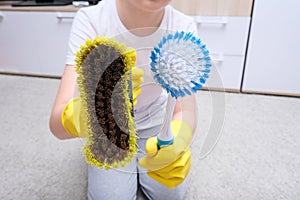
256 156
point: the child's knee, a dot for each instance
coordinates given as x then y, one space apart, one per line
154 190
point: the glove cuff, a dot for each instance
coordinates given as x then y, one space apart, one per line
67 118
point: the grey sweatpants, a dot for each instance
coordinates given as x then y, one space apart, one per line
123 183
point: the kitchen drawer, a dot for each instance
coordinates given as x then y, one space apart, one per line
224 35
226 73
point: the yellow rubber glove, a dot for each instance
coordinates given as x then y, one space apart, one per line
169 165
73 119
137 80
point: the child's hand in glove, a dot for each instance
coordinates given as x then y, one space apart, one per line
169 165
73 119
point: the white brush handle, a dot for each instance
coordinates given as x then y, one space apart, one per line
165 136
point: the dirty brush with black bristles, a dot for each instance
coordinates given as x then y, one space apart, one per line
104 82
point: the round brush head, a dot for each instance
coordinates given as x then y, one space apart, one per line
180 63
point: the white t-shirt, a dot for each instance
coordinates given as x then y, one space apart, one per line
103 20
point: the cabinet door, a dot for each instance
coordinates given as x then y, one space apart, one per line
273 64
16 43
51 32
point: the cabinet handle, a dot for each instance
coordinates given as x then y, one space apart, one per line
61 16
200 20
217 57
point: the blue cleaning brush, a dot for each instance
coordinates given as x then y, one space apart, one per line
180 64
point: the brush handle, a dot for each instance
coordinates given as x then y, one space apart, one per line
165 137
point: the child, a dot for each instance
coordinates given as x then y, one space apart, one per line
139 24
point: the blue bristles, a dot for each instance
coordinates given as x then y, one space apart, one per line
182 66
156 50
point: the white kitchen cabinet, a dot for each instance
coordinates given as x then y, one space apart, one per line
16 40
34 42
273 64
224 26
226 38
